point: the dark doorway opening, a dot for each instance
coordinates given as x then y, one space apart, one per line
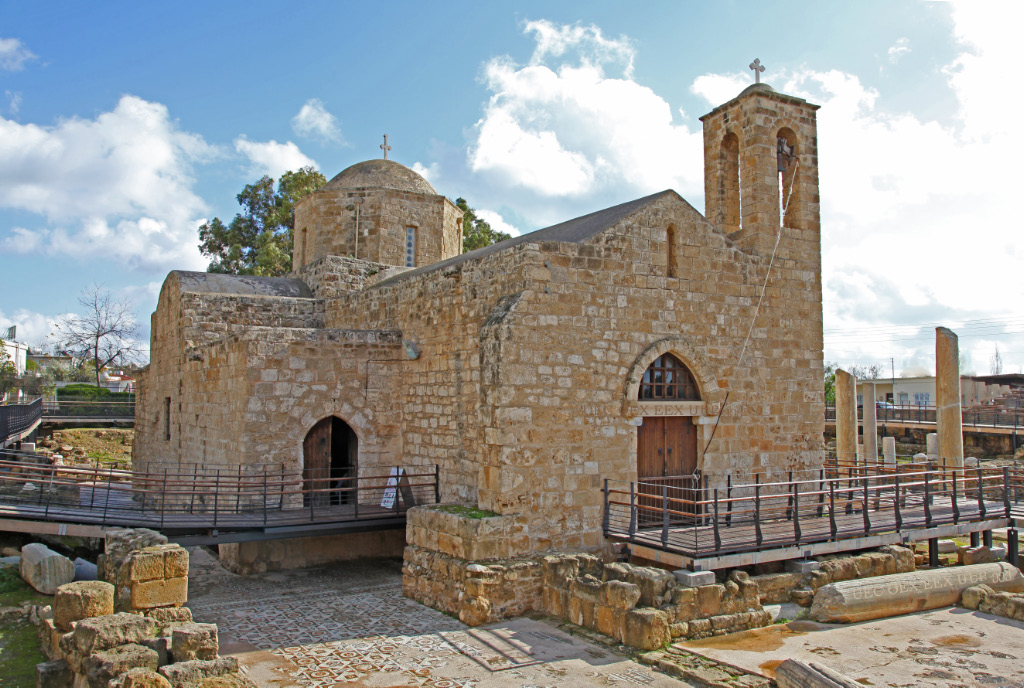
330 461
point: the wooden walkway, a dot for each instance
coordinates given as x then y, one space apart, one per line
842 510
198 508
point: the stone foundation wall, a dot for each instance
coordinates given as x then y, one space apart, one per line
246 558
458 564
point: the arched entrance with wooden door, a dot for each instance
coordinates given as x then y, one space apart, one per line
330 459
667 444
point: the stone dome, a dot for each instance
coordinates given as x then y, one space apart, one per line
381 174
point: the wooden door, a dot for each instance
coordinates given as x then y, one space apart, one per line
666 455
316 467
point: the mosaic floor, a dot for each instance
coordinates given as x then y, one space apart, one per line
350 626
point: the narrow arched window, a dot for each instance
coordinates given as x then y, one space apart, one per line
671 252
732 200
410 247
667 379
788 164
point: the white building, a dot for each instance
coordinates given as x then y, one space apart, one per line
920 391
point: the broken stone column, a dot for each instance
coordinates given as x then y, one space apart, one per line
846 416
44 569
948 415
889 451
870 423
795 674
931 446
902 593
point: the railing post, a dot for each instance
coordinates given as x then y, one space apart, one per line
758 535
92 492
163 501
216 497
437 483
832 507
264 495
632 510
238 489
789 500
49 489
718 537
192 498
728 496
1006 490
927 500
106 503
956 500
796 512
821 492
604 522
664 515
867 509
982 510
896 503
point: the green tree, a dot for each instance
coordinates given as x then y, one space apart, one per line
258 241
8 373
476 232
830 382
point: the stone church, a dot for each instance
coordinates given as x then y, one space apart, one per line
618 345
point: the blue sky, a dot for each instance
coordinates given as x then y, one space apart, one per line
124 125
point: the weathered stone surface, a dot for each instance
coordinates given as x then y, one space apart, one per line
227 681
44 569
194 641
102 667
646 629
874 598
187 674
475 612
53 674
140 678
171 592
948 416
82 600
104 632
796 674
979 555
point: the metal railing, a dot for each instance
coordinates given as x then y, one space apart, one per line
236 498
99 410
980 418
18 418
841 500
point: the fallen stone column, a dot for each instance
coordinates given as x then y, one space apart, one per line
796 674
44 569
904 593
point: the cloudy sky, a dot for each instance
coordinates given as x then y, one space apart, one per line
123 126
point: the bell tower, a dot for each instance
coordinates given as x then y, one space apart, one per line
761 168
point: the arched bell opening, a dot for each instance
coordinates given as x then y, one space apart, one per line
330 459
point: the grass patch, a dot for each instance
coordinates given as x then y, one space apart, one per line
464 511
19 643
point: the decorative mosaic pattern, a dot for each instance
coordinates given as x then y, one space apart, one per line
356 628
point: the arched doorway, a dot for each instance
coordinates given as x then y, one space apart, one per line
666 444
330 457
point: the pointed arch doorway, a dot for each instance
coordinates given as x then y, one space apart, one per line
666 445
330 459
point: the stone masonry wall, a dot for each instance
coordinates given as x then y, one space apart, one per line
460 565
335 275
525 391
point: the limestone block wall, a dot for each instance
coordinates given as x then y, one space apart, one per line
247 558
525 390
334 275
325 223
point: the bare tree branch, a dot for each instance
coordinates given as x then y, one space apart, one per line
104 333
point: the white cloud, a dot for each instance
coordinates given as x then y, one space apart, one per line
13 54
497 222
428 172
315 122
33 328
118 186
13 101
719 88
898 49
271 157
593 48
565 128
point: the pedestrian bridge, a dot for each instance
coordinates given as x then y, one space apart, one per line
205 505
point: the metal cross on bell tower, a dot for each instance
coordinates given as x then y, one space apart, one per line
758 68
385 147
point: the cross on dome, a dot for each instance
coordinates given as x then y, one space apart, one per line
758 68
385 147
